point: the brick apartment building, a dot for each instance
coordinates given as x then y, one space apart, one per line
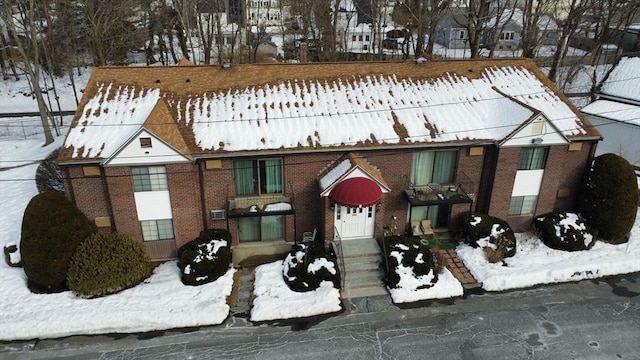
270 151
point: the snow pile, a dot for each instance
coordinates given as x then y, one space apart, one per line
624 79
534 263
274 300
161 302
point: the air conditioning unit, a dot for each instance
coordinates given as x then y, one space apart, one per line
218 214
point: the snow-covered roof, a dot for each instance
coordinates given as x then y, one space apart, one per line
615 111
303 107
624 80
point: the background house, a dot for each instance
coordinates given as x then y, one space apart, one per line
616 111
270 151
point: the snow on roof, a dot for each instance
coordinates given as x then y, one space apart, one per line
109 119
315 106
624 79
614 110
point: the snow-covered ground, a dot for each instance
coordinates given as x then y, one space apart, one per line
163 302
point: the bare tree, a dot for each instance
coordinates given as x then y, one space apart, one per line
475 20
110 30
421 17
575 11
535 14
23 27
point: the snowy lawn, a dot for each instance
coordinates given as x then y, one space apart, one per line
534 263
274 300
162 302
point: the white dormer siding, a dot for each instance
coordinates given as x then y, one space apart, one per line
146 149
537 132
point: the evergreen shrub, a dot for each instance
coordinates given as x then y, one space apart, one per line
205 258
609 198
411 256
108 263
492 234
307 265
565 231
52 228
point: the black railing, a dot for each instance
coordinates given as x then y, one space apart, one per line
337 248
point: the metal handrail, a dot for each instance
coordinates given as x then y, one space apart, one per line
337 247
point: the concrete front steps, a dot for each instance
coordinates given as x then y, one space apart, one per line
363 274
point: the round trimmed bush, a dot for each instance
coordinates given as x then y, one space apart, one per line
107 263
492 234
609 199
307 265
565 231
52 228
404 256
205 258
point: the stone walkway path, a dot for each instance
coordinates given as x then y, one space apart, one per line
450 259
244 291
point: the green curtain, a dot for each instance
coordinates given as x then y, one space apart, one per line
244 177
419 213
444 166
272 227
249 229
273 172
422 168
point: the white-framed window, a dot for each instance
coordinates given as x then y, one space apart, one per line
533 158
153 230
367 37
523 205
507 35
461 34
151 178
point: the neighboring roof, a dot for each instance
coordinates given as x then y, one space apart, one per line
307 107
613 110
624 80
516 17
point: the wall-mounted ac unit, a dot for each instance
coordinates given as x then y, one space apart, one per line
218 214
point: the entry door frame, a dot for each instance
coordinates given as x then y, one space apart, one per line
354 223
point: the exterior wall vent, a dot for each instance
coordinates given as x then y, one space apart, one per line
218 215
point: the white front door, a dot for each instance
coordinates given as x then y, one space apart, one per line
355 223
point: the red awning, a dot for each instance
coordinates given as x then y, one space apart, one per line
356 192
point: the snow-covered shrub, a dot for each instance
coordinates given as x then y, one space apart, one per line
565 231
307 265
107 263
52 228
493 235
609 198
205 258
411 265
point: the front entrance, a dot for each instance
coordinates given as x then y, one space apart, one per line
353 223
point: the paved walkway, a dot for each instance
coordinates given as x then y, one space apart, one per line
450 259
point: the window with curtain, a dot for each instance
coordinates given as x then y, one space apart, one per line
533 158
433 167
523 205
261 228
258 177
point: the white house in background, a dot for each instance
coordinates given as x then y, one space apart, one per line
266 12
356 34
616 112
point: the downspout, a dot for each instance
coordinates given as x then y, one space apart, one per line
72 196
105 183
203 204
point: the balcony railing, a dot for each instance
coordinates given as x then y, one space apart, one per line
271 204
437 194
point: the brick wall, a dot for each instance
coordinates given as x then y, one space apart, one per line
506 169
87 192
184 191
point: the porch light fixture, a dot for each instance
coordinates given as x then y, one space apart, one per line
537 140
